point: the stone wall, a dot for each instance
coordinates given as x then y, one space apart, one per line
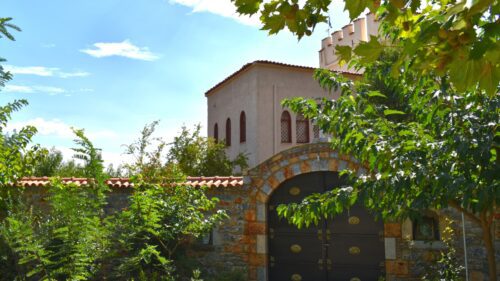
240 243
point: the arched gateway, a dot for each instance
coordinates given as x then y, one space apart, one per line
348 247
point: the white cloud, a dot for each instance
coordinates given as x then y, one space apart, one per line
123 49
31 70
85 90
49 90
223 8
73 74
33 89
18 89
43 71
54 127
58 128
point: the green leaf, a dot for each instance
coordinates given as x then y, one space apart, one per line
344 54
356 7
369 51
376 94
388 112
247 7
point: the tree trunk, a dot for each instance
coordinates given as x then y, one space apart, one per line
490 249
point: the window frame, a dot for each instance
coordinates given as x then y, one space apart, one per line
228 132
300 121
243 127
286 117
216 133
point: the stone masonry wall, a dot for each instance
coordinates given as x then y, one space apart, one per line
240 243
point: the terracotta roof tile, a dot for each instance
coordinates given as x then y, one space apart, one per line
248 65
215 181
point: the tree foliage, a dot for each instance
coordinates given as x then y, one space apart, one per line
454 37
196 155
16 156
424 145
64 240
163 214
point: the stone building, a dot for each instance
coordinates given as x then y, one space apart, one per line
289 161
245 111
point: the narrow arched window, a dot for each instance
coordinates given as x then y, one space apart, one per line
228 132
316 131
302 129
243 127
286 127
216 132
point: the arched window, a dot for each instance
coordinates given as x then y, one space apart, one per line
286 127
228 132
316 131
302 129
243 127
216 132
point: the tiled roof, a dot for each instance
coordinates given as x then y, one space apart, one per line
250 64
215 181
125 182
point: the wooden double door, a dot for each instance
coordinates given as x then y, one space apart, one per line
349 247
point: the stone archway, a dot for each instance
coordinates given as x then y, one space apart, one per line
263 179
267 176
260 183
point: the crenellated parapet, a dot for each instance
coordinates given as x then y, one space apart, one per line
350 35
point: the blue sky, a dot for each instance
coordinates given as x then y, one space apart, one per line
112 66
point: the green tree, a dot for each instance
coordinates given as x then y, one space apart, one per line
454 37
49 163
424 144
162 215
65 241
5 27
16 156
196 155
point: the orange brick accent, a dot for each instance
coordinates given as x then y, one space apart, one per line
397 267
247 240
288 173
261 197
305 167
257 182
234 248
353 166
324 154
224 203
477 276
254 228
275 168
276 157
250 215
333 165
273 182
392 230
293 160
257 259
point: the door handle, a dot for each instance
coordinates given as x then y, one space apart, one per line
320 264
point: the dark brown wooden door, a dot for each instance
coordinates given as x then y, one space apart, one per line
347 248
